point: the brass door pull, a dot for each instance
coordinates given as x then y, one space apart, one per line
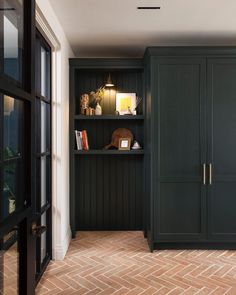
204 174
37 231
210 174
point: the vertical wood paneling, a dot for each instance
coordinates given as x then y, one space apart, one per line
108 195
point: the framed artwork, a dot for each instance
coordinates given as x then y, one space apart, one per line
124 144
126 103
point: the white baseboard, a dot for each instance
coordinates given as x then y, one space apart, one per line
59 251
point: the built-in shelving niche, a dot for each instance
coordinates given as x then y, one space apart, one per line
108 186
124 81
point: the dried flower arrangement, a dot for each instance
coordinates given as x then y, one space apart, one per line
98 95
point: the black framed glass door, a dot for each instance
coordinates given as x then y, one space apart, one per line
17 163
43 148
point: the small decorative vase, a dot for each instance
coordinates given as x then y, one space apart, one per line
98 110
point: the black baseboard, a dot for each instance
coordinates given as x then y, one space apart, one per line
197 245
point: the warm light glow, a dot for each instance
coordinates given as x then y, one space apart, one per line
109 85
8 105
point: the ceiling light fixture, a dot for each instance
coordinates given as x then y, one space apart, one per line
109 82
7 9
148 7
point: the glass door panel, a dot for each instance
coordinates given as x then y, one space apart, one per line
14 196
45 72
45 180
45 127
13 127
13 185
12 23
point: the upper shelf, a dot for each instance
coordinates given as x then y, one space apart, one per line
109 152
109 117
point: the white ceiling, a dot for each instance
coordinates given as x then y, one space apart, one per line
115 28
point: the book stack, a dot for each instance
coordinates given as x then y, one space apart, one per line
81 140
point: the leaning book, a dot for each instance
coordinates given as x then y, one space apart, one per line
78 140
85 140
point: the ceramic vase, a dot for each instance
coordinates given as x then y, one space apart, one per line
98 110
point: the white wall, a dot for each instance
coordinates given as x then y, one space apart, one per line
61 233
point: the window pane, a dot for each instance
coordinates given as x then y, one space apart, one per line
9 261
13 184
13 127
43 238
45 127
13 37
45 73
45 180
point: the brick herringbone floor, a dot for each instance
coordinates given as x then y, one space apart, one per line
118 263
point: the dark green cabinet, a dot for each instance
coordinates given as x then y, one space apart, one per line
181 202
221 95
191 106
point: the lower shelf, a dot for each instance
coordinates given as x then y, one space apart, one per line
109 152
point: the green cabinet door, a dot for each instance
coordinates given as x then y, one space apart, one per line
221 114
179 195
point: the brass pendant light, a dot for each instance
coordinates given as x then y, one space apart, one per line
109 82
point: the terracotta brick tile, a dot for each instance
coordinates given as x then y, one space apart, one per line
190 291
118 263
149 291
162 291
93 292
218 291
122 291
99 283
232 291
176 291
108 291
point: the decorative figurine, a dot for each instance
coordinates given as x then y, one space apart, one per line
136 145
84 103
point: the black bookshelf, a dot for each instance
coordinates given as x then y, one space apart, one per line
106 186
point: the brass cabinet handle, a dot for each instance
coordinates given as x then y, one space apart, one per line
204 174
210 174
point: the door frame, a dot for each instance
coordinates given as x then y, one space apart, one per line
46 31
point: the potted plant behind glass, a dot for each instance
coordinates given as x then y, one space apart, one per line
9 196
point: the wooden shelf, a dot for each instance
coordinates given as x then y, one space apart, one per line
109 152
109 117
